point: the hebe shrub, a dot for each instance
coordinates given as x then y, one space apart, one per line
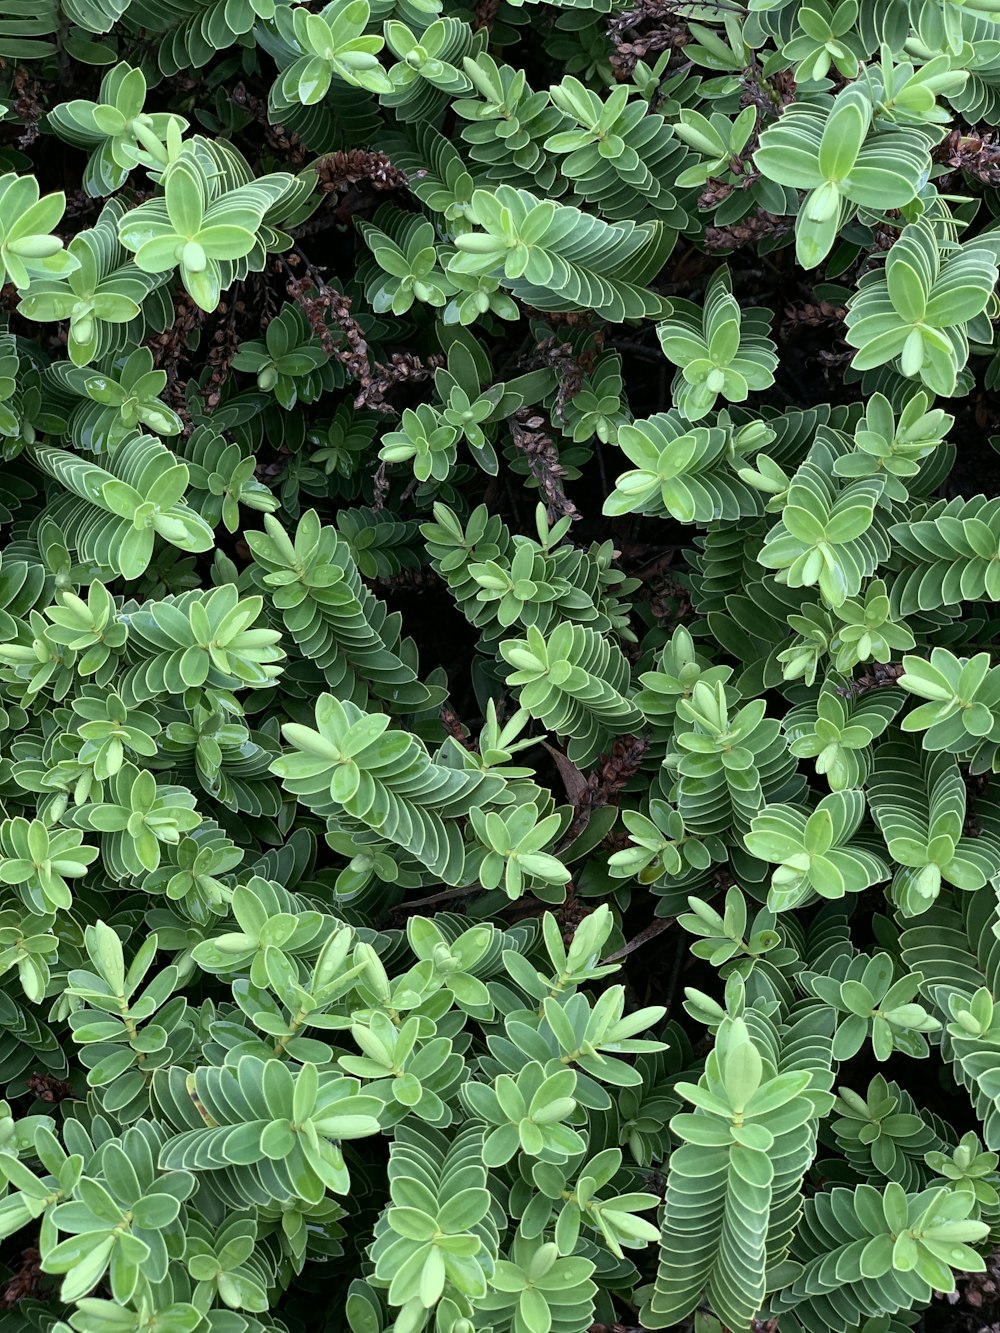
498 716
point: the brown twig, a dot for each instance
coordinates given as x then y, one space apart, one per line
747 231
977 155
531 439
655 927
644 30
607 782
877 677
26 1280
336 171
286 143
48 1088
811 315
170 351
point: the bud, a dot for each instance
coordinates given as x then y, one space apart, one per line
170 529
373 971
332 957
193 257
35 247
474 243
968 1023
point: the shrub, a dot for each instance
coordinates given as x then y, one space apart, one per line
498 718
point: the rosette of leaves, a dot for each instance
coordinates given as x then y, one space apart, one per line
856 631
526 1113
873 1003
734 188
677 668
591 1037
139 815
110 729
415 802
336 622
200 639
28 945
969 1169
836 730
429 66
542 1288
963 700
907 91
919 802
681 470
38 862
572 1195
826 536
889 1251
616 152
894 449
122 1219
407 256
526 589
121 398
920 310
127 1026
411 1076
28 250
331 44
473 409
598 408
109 519
815 854
222 1263
436 1239
120 134
426 439
515 843
222 478
451 962
882 1134
660 848
556 258
726 760
718 139
342 441
285 360
724 936
721 349
825 35
841 165
573 682
197 228
280 1104
265 916
92 628
742 1150
101 294
508 125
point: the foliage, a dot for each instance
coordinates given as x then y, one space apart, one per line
499 698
